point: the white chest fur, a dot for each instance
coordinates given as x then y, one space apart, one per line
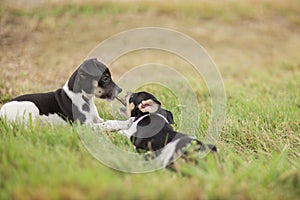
91 114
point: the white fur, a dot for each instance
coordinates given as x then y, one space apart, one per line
19 110
24 111
114 125
92 115
168 151
133 128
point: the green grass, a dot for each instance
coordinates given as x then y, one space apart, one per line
228 11
258 159
259 141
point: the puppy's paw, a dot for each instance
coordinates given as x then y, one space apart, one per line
124 125
130 121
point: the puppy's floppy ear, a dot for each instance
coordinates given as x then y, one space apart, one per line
92 67
170 117
84 76
148 106
81 75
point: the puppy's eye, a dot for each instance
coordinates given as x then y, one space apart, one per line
106 79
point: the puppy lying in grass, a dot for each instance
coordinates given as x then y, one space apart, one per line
74 102
152 130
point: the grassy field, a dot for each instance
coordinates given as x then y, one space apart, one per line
257 52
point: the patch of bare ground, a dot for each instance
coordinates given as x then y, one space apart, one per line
39 54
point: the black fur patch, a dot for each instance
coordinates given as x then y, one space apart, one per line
86 107
85 99
77 115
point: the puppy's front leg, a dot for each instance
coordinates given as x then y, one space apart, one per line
96 117
114 125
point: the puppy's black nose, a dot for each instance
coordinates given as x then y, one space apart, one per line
116 91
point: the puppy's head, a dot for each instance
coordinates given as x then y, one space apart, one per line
143 102
93 78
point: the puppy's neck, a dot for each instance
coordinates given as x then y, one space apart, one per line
85 95
88 98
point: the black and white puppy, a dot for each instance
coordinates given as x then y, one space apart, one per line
73 102
152 130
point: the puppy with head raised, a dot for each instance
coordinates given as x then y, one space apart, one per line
73 102
152 130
